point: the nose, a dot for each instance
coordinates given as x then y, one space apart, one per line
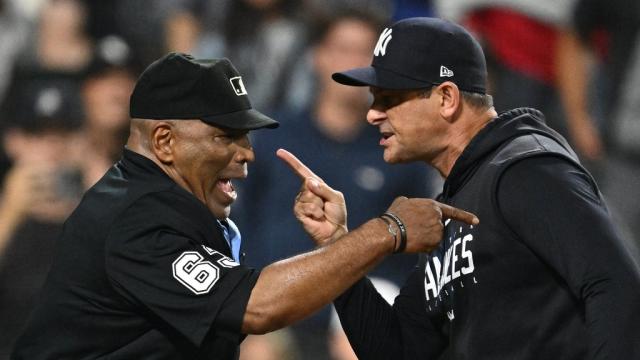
375 117
245 152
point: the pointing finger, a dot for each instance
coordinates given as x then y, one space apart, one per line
451 212
324 191
296 165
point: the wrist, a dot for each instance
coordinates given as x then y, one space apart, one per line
400 244
393 230
341 230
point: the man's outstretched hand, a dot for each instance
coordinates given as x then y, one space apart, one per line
424 221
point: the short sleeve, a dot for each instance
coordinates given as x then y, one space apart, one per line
158 259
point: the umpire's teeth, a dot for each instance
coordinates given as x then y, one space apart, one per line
226 185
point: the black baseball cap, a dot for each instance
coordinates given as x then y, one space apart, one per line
44 101
420 52
112 54
178 86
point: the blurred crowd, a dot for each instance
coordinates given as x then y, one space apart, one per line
67 68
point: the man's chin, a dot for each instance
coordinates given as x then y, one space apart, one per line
390 158
219 211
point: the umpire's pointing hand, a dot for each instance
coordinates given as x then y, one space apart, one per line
322 212
320 209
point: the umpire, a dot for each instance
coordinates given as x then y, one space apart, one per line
148 264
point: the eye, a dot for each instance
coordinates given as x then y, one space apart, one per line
230 136
223 138
384 102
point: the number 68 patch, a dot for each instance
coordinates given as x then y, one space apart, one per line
196 273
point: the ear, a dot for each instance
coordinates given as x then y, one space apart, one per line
450 101
163 137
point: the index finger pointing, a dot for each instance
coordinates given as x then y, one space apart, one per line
457 214
296 165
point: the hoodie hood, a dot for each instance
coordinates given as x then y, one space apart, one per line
506 126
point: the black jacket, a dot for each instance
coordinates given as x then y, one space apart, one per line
543 276
141 271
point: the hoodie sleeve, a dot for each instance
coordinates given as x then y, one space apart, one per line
566 223
377 330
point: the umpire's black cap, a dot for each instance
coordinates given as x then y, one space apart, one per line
178 86
420 52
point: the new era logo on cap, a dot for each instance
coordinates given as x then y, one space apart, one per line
238 85
445 72
383 41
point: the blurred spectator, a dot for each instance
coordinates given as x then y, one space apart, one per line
339 346
59 42
106 88
261 37
520 40
14 30
141 23
276 345
330 133
320 9
54 41
608 31
39 192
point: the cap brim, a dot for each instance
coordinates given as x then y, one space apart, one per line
242 120
377 77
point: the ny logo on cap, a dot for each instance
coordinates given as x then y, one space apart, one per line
445 72
383 41
238 85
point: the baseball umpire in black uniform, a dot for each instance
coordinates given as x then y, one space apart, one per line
148 264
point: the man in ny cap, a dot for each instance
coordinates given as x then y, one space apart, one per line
544 276
148 265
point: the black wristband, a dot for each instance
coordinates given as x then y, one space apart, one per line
391 231
403 231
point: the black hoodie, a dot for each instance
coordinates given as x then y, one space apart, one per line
543 276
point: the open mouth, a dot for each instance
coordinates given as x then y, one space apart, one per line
226 186
385 137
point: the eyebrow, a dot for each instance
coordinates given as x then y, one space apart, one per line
233 132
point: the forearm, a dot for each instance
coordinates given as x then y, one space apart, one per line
571 66
613 317
292 289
